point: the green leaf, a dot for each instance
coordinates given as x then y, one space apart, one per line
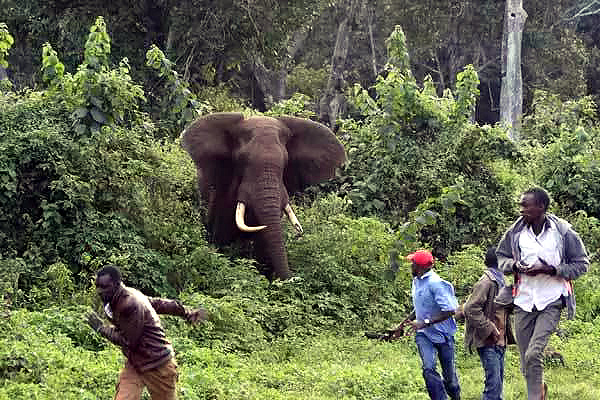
372 187
380 205
50 72
430 216
80 113
421 220
80 129
98 116
189 114
97 102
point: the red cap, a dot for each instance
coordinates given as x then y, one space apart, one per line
422 258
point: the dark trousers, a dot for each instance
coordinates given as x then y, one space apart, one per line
437 387
492 360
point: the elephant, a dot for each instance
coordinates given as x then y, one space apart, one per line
252 165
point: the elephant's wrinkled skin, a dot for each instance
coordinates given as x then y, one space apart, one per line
251 165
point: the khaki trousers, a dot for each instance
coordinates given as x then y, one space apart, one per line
533 329
160 381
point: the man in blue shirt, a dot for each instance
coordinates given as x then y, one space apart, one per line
434 326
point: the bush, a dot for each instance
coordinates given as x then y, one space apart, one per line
463 269
118 196
344 263
407 147
564 146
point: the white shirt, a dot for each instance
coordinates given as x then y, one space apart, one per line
542 289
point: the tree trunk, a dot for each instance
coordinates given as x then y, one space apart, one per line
333 99
170 39
370 22
273 84
511 94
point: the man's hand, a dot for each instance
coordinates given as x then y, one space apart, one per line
540 267
94 321
520 267
495 335
196 315
399 330
417 324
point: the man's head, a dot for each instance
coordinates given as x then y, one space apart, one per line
491 260
422 261
108 280
534 204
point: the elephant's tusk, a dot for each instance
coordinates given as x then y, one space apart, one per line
239 220
293 219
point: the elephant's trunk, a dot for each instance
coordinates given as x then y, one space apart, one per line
267 210
271 251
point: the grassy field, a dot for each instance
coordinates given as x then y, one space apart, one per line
47 356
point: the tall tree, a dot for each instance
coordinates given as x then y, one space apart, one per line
332 102
511 96
273 82
370 24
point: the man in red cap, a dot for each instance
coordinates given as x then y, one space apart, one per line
434 326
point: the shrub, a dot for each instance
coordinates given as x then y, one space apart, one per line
563 146
117 196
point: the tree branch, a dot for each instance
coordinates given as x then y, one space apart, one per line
585 11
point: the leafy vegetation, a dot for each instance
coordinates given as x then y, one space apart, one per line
424 147
50 356
6 42
89 176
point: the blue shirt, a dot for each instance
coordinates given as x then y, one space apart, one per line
431 296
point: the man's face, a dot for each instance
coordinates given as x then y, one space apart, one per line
105 287
417 270
531 210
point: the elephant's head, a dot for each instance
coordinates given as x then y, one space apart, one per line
248 166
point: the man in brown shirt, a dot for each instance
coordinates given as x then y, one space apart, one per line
136 328
488 327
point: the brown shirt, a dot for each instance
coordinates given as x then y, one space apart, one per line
500 318
137 328
482 316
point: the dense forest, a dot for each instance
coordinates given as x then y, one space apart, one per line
264 51
95 95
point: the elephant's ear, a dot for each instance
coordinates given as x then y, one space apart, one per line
208 138
209 141
314 153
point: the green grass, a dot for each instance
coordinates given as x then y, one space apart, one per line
42 359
